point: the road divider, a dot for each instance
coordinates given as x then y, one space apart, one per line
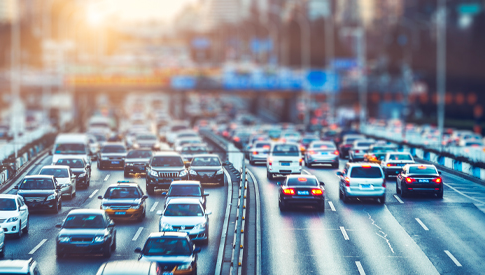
107 177
37 247
398 199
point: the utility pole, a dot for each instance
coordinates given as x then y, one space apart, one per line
441 66
360 33
329 53
46 34
15 52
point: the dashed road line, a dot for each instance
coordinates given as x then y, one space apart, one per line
398 199
107 177
37 247
344 233
332 206
94 193
463 194
457 263
422 224
308 173
154 206
360 268
137 234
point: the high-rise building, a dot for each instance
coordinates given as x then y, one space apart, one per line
8 10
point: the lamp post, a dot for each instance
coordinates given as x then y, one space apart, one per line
441 66
15 76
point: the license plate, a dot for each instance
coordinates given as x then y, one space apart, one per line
365 186
82 245
120 213
142 168
115 162
167 273
303 193
324 153
285 164
424 181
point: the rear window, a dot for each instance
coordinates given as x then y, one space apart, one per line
422 170
286 150
263 145
323 146
113 149
366 172
302 182
364 144
400 157
167 161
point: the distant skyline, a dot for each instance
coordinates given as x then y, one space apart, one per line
141 10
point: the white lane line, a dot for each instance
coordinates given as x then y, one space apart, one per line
452 258
422 224
344 233
107 177
154 206
308 173
137 234
360 268
94 193
37 247
398 199
331 206
461 193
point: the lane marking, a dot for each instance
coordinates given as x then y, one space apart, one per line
452 258
137 234
308 173
107 177
422 224
398 199
360 268
94 193
461 193
331 206
37 247
344 233
222 243
154 206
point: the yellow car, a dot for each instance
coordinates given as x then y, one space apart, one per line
124 200
377 153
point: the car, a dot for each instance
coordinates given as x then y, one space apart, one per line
419 178
66 179
173 252
136 161
146 140
124 200
94 145
322 152
186 189
21 267
301 190
283 159
71 145
163 169
86 231
186 215
189 150
177 146
80 168
358 150
240 138
377 152
393 163
259 152
306 140
40 192
362 180
2 242
128 267
170 133
290 136
347 142
206 169
252 141
112 154
14 216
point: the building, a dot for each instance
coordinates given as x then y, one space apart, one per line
8 10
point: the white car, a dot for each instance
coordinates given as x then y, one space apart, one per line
359 149
259 152
14 216
64 176
179 143
284 159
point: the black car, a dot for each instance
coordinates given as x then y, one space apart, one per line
41 192
112 155
173 252
86 231
163 169
301 190
186 189
206 169
80 168
136 161
419 178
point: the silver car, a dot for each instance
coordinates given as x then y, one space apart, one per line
322 152
362 180
66 179
186 215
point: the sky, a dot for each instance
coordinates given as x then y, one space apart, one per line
131 10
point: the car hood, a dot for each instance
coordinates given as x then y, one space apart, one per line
181 220
35 193
206 168
109 202
82 231
113 154
56 157
8 214
174 260
172 168
169 198
63 180
78 171
137 160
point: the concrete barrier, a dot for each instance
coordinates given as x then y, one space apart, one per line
448 162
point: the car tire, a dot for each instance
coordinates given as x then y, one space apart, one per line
335 165
2 253
269 175
398 191
70 195
142 217
26 229
440 194
113 245
404 192
55 209
252 162
59 254
18 235
321 207
150 190
382 199
107 253
345 199
282 206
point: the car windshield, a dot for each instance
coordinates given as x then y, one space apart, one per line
302 182
70 148
206 161
56 172
308 140
187 135
8 205
189 141
167 247
178 128
286 150
364 144
146 137
400 157
323 146
122 193
100 137
73 163
194 149
139 154
167 161
37 184
274 133
182 209
184 191
113 149
366 172
84 221
263 145
422 170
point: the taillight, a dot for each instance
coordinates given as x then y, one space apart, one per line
357 151
312 152
437 180
391 164
302 148
347 181
270 161
410 180
255 152
301 162
335 153
237 139
317 192
384 184
289 191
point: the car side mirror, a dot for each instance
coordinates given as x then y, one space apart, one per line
111 224
59 225
322 183
197 250
206 194
100 197
225 164
208 212
144 197
88 166
50 153
159 212
58 187
16 187
278 183
340 174
137 250
439 172
164 193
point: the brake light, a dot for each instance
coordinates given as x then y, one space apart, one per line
301 162
289 191
302 179
384 184
410 180
365 166
357 151
323 146
421 167
347 181
391 164
312 152
225 133
255 152
438 180
335 153
270 161
302 148
237 139
317 192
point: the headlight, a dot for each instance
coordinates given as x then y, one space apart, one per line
185 267
100 239
104 158
192 172
154 173
129 164
135 207
82 175
64 239
183 173
200 226
105 207
51 197
165 226
220 172
13 219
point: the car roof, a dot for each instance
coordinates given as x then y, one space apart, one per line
398 153
184 200
124 184
168 234
71 138
301 176
206 155
354 164
416 165
141 149
126 267
69 158
55 166
185 182
87 211
8 196
286 143
14 266
111 143
38 176
166 154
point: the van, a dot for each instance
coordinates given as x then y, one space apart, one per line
284 159
71 145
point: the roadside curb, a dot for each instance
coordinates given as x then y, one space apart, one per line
220 253
258 223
